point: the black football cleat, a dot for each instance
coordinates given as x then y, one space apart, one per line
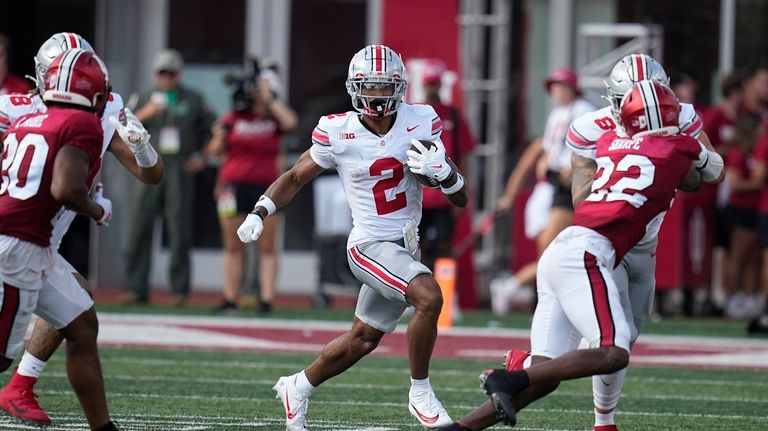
502 387
758 325
453 427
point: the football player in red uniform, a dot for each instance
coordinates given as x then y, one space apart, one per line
127 140
49 162
638 175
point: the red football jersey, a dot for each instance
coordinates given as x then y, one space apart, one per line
635 182
27 208
253 145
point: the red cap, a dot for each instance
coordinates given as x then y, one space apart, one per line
564 75
433 70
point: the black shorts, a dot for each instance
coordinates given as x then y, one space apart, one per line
246 195
741 217
562 197
763 222
723 227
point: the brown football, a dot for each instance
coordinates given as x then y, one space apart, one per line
426 181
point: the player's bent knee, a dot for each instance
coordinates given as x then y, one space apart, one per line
616 359
425 294
84 329
365 339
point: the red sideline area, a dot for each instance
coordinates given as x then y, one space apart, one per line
309 336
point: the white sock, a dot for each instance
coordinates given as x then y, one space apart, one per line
606 390
420 385
604 418
303 385
30 366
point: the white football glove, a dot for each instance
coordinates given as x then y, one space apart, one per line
430 162
251 228
133 133
106 204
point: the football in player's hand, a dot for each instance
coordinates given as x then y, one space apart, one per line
424 180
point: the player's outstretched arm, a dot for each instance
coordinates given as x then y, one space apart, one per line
147 175
584 170
278 195
130 144
68 183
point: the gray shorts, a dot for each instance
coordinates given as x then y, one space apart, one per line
385 268
636 280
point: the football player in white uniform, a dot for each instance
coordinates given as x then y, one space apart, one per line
370 149
635 275
61 288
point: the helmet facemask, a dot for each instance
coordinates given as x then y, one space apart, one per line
373 69
381 104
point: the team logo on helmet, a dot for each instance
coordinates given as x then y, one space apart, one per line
650 108
77 77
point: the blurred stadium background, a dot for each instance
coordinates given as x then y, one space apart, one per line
498 51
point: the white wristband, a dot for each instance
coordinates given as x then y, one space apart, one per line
455 187
146 157
267 204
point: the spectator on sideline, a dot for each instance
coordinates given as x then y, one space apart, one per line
179 121
719 127
551 201
745 183
249 139
438 215
10 83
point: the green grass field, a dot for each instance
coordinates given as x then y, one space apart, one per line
184 390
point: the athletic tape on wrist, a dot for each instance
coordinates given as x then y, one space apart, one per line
455 187
267 204
146 157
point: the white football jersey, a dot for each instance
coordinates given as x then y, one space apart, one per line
382 192
588 128
13 106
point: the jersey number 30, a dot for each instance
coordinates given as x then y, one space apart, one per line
23 164
383 205
615 189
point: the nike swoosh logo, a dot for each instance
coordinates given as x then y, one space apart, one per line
604 382
437 166
410 129
288 412
425 418
16 408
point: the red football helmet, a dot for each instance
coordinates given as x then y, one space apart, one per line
77 77
650 107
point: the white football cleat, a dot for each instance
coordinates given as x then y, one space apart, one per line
426 408
294 404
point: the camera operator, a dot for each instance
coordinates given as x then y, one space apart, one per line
248 139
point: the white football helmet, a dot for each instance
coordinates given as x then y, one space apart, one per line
51 48
630 70
376 66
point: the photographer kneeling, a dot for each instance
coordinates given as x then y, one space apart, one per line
248 139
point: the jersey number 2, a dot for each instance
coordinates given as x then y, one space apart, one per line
383 205
23 164
618 190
